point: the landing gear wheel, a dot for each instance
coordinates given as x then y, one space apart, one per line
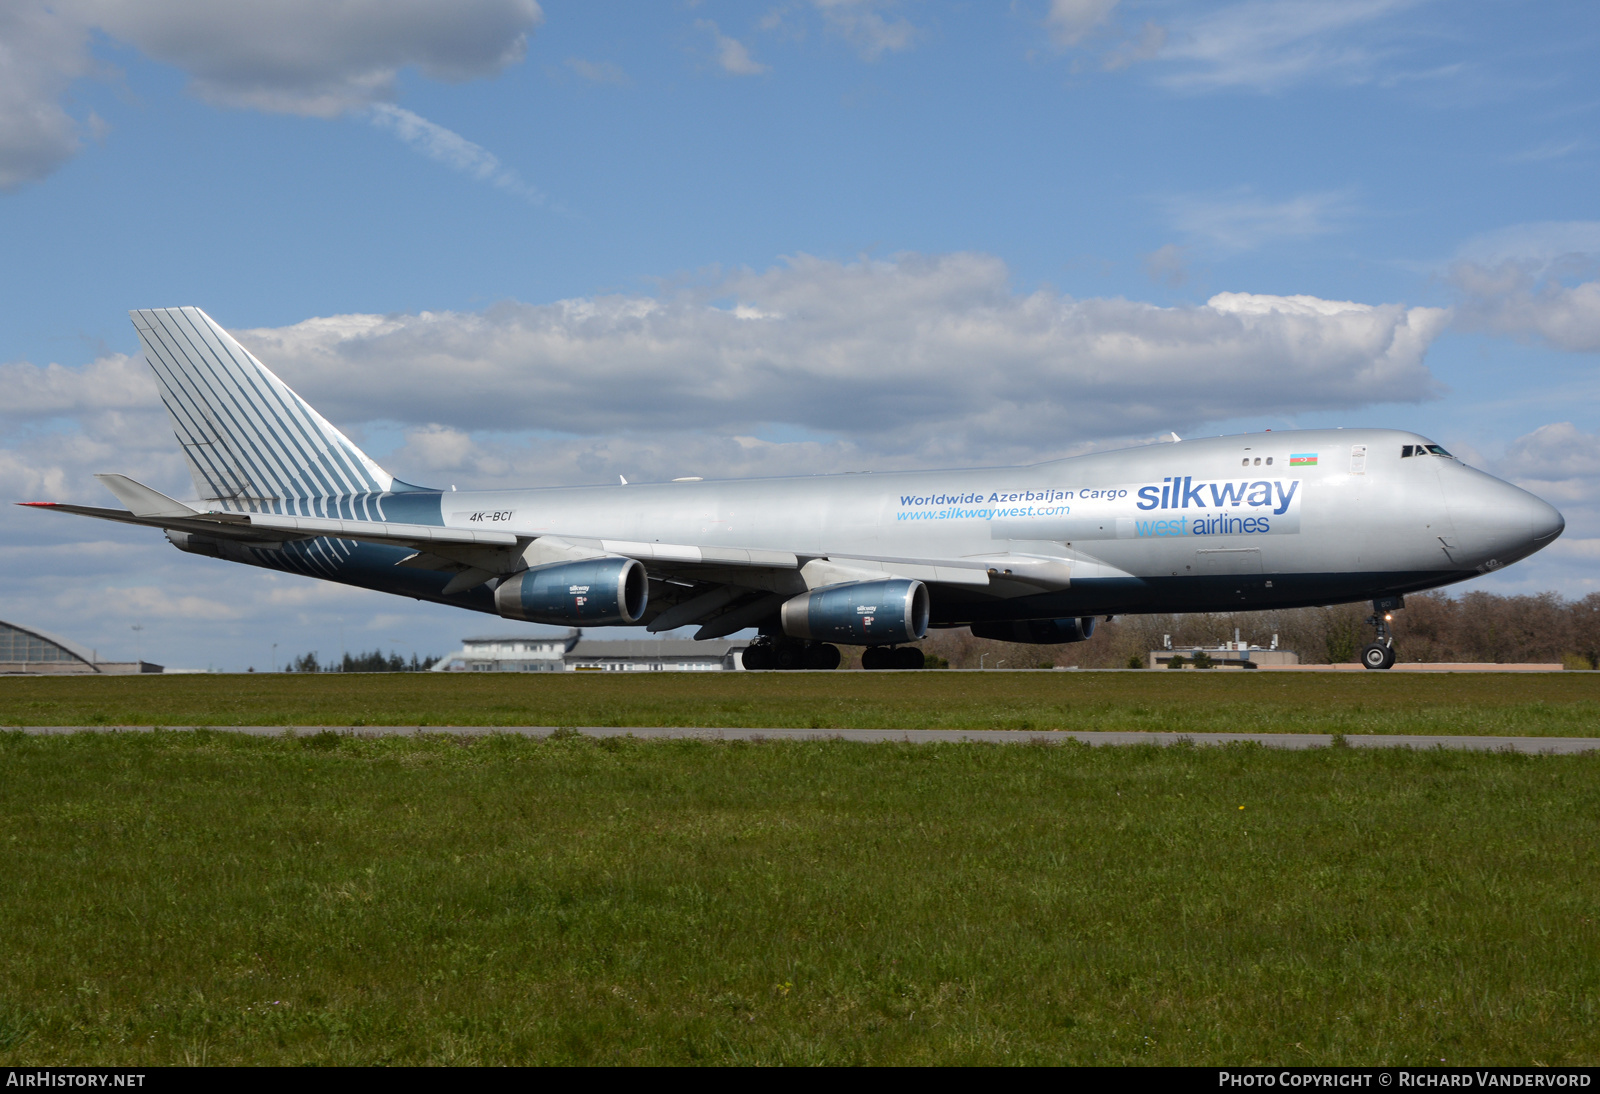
789 655
757 657
822 656
908 657
1378 655
876 657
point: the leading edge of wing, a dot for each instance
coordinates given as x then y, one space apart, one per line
271 527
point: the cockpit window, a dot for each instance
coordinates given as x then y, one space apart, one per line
1424 450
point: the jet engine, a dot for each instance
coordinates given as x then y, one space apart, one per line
195 545
1038 632
597 591
860 613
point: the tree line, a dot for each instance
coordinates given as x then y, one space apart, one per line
1472 627
361 662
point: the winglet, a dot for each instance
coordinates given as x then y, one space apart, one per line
143 501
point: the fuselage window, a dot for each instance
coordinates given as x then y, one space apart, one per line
1258 461
1246 462
1269 461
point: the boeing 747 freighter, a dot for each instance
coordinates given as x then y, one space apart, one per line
1025 554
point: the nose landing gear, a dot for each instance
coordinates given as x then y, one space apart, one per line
1380 654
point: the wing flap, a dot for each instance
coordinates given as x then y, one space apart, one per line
934 571
693 555
372 531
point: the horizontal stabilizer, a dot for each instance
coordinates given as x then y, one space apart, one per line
198 523
143 501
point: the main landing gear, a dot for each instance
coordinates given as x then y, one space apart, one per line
892 657
1380 654
790 653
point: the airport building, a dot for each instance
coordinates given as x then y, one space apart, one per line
1229 655
30 651
574 653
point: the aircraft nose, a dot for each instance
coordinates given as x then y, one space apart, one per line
1528 520
1527 517
1498 523
1546 521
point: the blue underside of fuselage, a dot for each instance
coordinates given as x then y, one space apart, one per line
367 565
375 567
1209 593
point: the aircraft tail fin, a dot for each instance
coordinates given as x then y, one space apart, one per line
251 443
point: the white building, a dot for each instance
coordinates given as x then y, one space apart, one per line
574 653
1229 655
28 650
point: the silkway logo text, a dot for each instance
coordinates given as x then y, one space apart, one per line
1184 492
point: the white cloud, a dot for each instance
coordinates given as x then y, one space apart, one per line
732 55
1542 241
861 23
441 455
1549 150
451 149
1168 265
285 56
115 381
1269 44
41 53
598 72
812 365
1559 453
1071 21
315 57
1241 220
1560 463
1144 46
930 355
1526 281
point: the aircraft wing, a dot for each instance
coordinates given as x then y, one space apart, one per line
722 588
268 527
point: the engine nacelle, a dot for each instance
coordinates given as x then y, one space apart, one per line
195 545
860 613
1037 632
597 591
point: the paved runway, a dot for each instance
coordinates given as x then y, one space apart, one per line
1557 745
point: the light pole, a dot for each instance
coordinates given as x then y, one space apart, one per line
138 644
980 662
274 657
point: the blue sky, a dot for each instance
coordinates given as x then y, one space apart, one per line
503 242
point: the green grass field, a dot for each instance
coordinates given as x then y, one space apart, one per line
1557 704
209 897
